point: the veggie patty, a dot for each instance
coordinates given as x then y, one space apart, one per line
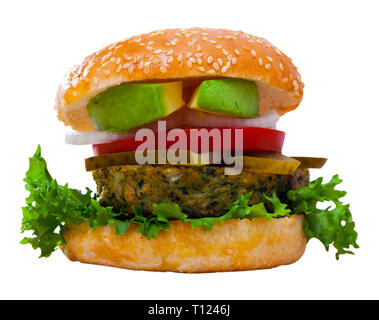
201 191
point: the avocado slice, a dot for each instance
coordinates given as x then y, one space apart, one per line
127 106
232 97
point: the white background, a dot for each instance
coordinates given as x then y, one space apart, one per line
334 44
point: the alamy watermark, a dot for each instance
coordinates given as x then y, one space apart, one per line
216 147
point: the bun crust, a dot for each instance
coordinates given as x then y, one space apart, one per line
181 54
229 246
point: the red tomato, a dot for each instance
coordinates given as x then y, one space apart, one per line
254 139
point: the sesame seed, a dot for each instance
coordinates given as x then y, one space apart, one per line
163 69
189 54
118 68
189 64
198 55
253 53
285 80
192 59
126 65
107 72
224 69
198 48
150 43
140 65
259 41
146 69
170 51
216 66
149 48
268 66
204 33
228 65
156 61
281 66
113 59
180 57
118 61
234 60
106 56
157 51
211 71
260 61
137 40
230 57
199 61
269 59
220 62
225 52
210 59
204 38
295 84
219 46
169 59
201 69
212 41
237 52
278 52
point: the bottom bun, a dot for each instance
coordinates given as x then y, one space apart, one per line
229 246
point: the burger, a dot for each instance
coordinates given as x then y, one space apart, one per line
187 160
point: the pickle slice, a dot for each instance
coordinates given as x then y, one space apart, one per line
266 162
311 162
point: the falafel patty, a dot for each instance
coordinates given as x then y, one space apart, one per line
200 191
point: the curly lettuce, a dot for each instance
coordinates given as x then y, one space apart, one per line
51 207
333 225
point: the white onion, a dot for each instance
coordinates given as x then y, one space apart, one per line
184 118
206 120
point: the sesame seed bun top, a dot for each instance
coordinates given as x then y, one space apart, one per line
191 54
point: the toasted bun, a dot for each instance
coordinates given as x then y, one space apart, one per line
181 54
229 246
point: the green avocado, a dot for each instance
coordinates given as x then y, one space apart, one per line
128 106
232 97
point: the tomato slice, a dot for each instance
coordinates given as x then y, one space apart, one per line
254 139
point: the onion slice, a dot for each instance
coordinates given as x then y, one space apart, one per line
183 118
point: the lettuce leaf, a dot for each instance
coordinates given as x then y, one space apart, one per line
331 225
50 207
